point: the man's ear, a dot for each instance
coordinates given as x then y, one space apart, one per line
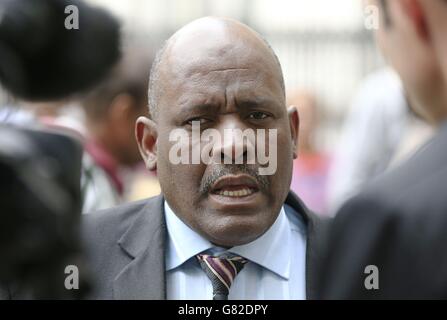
415 12
294 122
146 134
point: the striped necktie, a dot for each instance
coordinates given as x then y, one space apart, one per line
221 271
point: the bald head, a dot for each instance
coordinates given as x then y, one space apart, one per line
207 45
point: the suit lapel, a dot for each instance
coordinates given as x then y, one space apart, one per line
144 242
315 232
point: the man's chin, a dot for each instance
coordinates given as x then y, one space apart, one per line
227 243
236 230
232 221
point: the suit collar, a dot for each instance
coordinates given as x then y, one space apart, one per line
315 233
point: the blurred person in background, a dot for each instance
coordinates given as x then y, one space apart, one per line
103 120
389 241
310 169
111 110
380 131
42 60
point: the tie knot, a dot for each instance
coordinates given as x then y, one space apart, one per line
222 271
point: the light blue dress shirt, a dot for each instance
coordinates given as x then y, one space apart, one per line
276 270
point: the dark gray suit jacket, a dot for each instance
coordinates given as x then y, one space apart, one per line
126 246
398 224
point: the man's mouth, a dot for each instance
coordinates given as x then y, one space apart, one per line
235 186
239 192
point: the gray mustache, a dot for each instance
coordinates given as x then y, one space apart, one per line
233 169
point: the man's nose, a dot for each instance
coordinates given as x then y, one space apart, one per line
234 146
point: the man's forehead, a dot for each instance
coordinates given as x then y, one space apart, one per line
212 44
201 84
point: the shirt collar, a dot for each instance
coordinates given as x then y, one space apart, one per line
183 242
271 250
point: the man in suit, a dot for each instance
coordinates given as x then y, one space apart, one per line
390 241
218 231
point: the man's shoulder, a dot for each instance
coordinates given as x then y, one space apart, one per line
400 204
396 222
414 182
113 214
4 293
112 237
405 196
116 220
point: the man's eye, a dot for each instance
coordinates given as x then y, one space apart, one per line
200 121
258 115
